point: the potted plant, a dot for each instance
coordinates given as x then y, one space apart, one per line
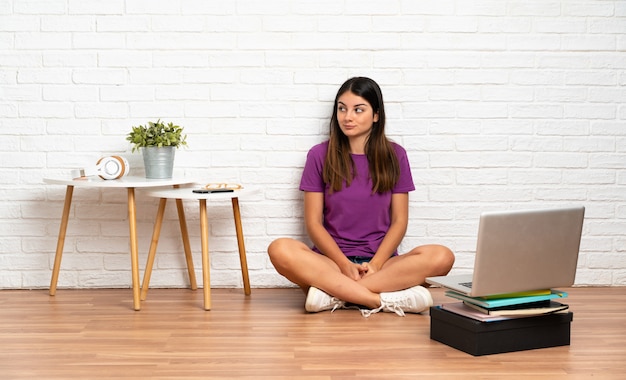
158 143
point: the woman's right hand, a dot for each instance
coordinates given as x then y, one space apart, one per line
352 270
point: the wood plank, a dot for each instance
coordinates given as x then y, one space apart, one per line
95 334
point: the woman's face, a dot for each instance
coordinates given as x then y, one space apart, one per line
355 115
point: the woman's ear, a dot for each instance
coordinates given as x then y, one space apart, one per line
376 117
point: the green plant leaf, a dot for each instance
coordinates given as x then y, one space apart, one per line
156 134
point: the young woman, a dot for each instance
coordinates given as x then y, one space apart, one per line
356 204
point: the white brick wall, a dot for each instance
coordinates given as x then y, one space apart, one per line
500 104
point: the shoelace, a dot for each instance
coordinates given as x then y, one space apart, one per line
366 313
337 303
391 306
396 307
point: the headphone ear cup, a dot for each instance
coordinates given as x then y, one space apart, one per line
112 167
124 166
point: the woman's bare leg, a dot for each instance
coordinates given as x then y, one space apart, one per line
304 267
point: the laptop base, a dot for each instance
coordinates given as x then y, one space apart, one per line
486 338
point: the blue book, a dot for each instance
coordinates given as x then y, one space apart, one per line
507 301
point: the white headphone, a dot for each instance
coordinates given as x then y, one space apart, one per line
111 167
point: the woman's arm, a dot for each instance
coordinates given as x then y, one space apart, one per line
314 222
395 234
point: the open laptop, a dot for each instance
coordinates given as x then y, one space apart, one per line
521 251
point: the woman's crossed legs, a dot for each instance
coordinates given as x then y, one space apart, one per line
305 267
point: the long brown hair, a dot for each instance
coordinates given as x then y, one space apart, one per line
384 169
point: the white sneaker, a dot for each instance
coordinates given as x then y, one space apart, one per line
411 300
317 300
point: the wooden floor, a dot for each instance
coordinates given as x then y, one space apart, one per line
95 334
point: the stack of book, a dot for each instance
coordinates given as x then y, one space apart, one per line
507 306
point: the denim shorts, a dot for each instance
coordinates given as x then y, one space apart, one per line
360 259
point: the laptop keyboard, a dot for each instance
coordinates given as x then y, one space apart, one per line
467 284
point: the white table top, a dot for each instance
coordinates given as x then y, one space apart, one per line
187 193
124 182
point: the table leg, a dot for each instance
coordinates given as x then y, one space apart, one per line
156 232
61 239
242 248
134 249
185 235
204 239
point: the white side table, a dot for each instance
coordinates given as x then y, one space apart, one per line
186 193
130 183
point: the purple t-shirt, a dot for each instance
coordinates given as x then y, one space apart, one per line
356 218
